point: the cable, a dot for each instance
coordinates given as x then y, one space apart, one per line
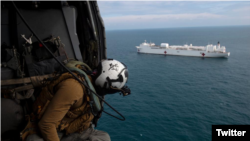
18 12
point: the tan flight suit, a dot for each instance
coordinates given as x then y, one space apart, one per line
69 95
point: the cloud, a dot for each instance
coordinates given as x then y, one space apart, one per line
242 9
160 14
109 9
209 1
159 21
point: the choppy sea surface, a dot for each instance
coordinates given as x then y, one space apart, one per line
178 98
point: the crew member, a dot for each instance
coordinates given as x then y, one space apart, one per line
67 106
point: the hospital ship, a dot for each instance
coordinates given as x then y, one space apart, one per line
186 50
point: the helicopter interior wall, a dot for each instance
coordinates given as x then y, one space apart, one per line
5 37
45 23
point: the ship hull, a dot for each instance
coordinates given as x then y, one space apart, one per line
193 53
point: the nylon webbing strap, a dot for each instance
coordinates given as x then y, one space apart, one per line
35 80
22 88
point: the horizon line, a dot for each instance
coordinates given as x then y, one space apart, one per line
174 27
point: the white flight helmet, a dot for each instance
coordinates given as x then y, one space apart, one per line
111 74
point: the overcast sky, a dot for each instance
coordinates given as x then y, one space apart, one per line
165 14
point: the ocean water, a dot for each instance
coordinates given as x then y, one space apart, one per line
177 98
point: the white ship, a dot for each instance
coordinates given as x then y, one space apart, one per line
186 50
